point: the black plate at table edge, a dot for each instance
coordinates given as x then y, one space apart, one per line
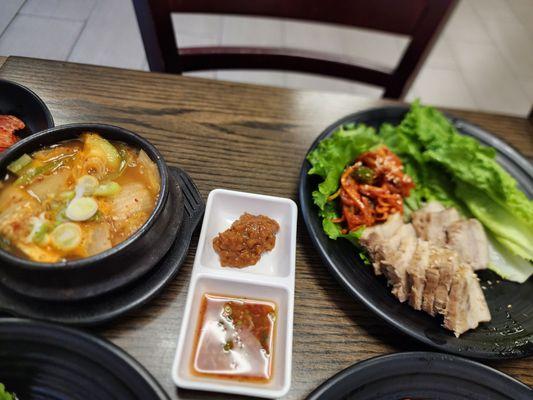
521 170
63 334
127 298
343 381
48 120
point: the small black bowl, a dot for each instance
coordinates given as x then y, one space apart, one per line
21 102
42 361
113 268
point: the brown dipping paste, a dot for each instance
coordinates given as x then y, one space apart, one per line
246 240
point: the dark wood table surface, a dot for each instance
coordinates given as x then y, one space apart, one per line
243 137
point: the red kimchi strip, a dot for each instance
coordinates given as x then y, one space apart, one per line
372 189
8 126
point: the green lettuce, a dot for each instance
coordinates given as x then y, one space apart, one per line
446 166
465 172
513 232
4 394
329 160
459 171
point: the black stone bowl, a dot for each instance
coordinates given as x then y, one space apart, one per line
42 361
113 268
21 102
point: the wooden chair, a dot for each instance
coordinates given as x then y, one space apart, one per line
421 20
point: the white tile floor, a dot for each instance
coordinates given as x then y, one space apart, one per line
483 60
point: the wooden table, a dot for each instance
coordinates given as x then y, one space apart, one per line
244 137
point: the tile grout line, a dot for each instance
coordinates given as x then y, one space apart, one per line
81 31
502 56
460 68
445 40
49 17
492 39
520 79
461 74
12 18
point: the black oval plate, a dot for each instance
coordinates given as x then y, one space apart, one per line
420 375
508 335
21 102
48 362
111 305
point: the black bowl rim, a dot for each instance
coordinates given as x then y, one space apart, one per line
48 115
353 369
158 209
384 316
102 343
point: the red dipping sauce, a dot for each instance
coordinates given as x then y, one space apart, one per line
234 338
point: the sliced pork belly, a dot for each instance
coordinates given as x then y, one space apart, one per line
468 239
432 206
389 248
416 274
429 263
383 231
432 280
373 238
442 265
467 306
479 310
418 218
395 263
449 264
431 226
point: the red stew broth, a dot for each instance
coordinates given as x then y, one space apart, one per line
234 338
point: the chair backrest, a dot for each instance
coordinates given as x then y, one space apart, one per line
421 20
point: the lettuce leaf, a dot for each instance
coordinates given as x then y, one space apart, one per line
4 394
446 166
459 171
506 264
513 232
329 160
431 181
333 154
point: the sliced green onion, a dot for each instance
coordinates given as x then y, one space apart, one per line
81 209
17 165
31 173
60 218
96 217
86 185
40 227
66 236
107 189
67 195
39 237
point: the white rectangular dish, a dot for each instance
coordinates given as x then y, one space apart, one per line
271 279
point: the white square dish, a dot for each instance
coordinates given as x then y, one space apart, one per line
225 206
271 279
